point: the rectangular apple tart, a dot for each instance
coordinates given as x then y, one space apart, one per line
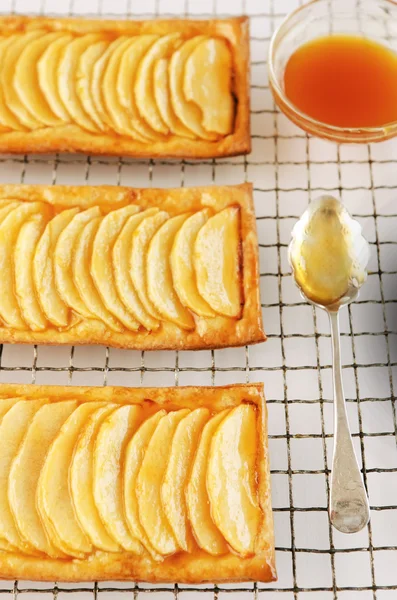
132 268
140 484
177 88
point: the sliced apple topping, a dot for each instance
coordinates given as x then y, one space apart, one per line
121 265
139 248
8 120
85 73
231 479
43 269
26 81
47 70
149 482
133 459
25 472
207 535
54 499
217 262
208 83
159 276
183 447
183 274
109 451
81 482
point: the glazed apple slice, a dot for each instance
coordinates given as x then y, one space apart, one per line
208 83
13 428
159 276
183 274
67 69
121 264
47 69
63 258
109 451
43 269
207 535
183 448
102 264
81 482
7 118
217 262
188 112
85 71
83 278
149 482
25 472
126 79
162 95
26 82
25 248
139 248
54 499
144 88
7 73
133 459
9 231
231 479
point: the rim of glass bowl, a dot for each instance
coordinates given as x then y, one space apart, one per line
305 121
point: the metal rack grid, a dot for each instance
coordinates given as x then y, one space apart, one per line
288 169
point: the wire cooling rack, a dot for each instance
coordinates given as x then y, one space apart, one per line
288 169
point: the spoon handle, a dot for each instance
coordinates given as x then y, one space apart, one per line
349 507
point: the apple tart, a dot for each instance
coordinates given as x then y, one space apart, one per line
135 88
133 268
141 484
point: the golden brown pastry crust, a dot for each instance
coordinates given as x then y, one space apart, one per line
217 332
185 568
71 138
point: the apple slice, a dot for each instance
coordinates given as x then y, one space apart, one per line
139 248
207 535
182 268
208 83
7 208
159 277
5 405
25 472
81 482
98 73
188 112
7 118
112 439
102 265
117 112
126 79
83 278
121 264
26 81
162 95
25 248
47 69
183 448
63 257
7 73
54 499
12 431
85 73
67 69
43 269
231 479
217 262
9 231
144 89
149 482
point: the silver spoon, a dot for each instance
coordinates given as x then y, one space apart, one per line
329 257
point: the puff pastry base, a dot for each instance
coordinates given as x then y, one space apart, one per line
71 138
214 332
195 567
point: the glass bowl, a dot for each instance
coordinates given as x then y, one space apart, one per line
372 19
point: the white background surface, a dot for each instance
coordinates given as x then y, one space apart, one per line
287 169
